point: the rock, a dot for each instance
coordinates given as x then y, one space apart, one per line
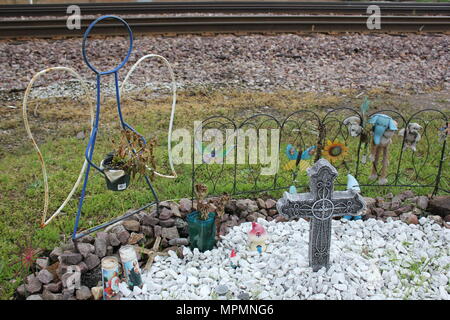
377 211
244 214
135 238
422 202
389 214
403 209
54 255
42 263
263 212
68 246
33 285
54 287
165 214
167 223
84 293
100 245
97 293
221 289
131 225
185 205
280 218
175 210
170 233
272 212
70 258
147 231
261 203
409 218
113 240
68 294
242 204
243 296
179 242
149 220
45 276
92 261
109 250
437 219
158 231
270 204
87 239
439 205
165 204
80 135
85 248
252 217
379 201
447 218
48 295
21 290
34 297
406 195
121 233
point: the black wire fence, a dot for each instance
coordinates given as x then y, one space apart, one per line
236 167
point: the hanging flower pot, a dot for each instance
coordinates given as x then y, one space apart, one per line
116 179
201 232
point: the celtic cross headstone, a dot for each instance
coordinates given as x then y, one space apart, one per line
321 204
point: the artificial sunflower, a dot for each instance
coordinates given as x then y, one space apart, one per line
335 151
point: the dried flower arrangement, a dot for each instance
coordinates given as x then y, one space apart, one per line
220 204
132 154
201 191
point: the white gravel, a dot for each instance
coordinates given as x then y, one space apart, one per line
369 260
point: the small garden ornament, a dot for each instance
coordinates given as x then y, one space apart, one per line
383 129
234 259
352 184
257 237
411 135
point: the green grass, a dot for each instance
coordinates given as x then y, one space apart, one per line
21 184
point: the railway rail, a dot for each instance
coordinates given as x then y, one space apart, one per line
387 8
226 24
328 17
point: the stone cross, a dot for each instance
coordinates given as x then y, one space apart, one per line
321 204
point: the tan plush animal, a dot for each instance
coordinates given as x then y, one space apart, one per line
411 136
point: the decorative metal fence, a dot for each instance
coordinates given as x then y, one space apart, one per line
427 167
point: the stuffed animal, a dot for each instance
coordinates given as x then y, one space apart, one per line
383 129
411 136
354 125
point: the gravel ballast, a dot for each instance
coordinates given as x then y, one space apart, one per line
369 259
312 62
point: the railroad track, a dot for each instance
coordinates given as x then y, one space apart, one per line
225 24
387 8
